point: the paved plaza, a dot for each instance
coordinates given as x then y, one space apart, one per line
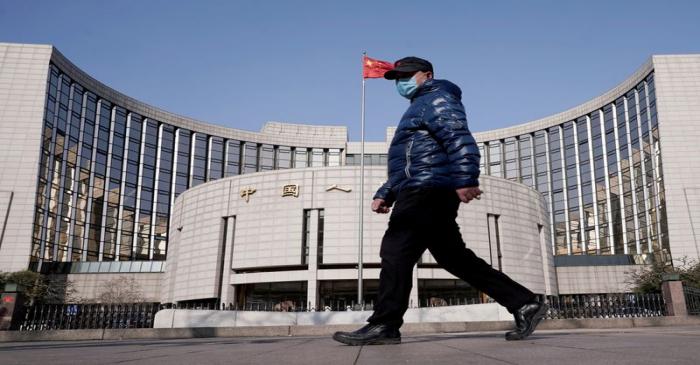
660 345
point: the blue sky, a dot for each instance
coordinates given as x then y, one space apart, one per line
241 63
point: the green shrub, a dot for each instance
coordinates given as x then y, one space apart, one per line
649 279
40 288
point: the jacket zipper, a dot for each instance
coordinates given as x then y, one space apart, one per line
408 158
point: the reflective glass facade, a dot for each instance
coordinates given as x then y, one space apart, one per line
600 175
370 159
108 176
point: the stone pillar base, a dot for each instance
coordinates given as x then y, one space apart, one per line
674 298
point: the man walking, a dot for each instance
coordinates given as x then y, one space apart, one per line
433 167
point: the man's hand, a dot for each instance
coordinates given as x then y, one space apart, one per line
379 206
468 194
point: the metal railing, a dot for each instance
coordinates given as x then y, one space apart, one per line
330 305
141 315
89 316
692 300
263 306
605 306
560 307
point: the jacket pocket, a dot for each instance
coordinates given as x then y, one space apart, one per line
408 158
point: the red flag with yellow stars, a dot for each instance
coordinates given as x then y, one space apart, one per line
372 69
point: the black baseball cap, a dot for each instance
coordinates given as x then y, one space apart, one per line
408 65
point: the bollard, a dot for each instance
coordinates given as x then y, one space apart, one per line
672 289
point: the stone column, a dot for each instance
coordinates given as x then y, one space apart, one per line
672 290
228 294
227 289
413 299
312 281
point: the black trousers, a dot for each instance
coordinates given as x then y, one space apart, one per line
424 218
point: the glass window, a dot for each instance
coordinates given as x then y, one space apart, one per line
159 249
199 163
569 145
119 132
555 158
148 177
199 168
125 245
250 158
100 163
371 159
165 173
541 166
651 89
301 158
633 125
334 157
319 226
136 266
133 148
317 158
540 142
526 165
495 170
494 158
511 155
216 167
267 157
125 266
116 168
494 152
161 225
284 157
163 201
182 166
643 115
511 150
609 124
150 144
351 160
622 133
233 157
88 130
305 237
157 266
104 126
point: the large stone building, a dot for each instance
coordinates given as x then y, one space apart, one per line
96 185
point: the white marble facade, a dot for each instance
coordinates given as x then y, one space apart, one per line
268 232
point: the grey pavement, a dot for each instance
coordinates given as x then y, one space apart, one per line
657 345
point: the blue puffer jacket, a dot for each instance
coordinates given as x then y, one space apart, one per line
432 146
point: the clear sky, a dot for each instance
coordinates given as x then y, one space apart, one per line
242 63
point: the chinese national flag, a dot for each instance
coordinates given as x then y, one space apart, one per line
372 69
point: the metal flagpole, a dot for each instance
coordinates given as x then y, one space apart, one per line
360 301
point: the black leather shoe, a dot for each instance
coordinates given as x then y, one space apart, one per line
371 334
526 319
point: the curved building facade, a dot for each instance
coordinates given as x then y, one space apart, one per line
248 237
600 172
92 180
